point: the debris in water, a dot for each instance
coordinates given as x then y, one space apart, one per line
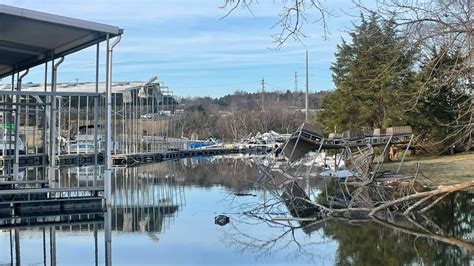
221 220
244 194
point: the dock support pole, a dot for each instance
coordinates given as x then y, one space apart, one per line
45 120
52 122
96 116
17 126
108 128
108 152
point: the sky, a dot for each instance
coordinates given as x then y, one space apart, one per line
195 51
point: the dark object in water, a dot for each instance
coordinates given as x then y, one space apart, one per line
221 220
297 201
244 194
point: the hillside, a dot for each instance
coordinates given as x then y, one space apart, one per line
237 115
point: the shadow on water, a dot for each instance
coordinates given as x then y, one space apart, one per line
161 208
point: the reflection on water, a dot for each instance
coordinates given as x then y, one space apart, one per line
164 214
144 201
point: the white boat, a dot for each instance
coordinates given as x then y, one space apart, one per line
7 145
84 143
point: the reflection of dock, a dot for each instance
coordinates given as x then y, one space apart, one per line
38 200
148 219
88 216
145 199
151 157
49 223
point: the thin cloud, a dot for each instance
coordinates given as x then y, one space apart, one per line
185 43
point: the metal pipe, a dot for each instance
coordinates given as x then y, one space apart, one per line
52 121
17 125
9 121
108 117
45 122
96 115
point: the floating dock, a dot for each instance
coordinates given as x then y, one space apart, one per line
69 160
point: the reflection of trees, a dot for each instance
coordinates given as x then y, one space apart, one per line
286 237
456 215
441 236
234 174
373 244
237 175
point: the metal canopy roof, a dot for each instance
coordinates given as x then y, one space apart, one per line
29 38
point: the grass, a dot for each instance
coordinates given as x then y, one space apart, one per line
446 169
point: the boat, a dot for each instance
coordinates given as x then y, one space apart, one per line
85 143
7 145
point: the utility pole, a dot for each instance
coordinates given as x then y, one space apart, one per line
296 81
307 91
263 93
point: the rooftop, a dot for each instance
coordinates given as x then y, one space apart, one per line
117 87
29 38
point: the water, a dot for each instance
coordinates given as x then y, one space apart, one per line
164 214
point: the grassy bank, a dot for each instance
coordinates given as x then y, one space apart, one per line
445 169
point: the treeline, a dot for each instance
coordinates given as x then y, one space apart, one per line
405 63
236 115
383 80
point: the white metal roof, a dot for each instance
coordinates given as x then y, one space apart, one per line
117 87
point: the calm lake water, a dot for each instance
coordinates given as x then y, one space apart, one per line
163 214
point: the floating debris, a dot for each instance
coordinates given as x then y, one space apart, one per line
221 220
244 194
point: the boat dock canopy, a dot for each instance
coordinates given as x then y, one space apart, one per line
30 38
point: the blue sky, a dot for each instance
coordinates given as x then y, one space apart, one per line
195 52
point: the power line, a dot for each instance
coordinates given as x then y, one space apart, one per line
216 86
274 86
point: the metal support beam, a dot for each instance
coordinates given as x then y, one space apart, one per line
17 125
96 115
45 122
52 123
108 127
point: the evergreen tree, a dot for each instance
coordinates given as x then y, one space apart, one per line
373 77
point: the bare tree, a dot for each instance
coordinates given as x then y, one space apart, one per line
294 15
